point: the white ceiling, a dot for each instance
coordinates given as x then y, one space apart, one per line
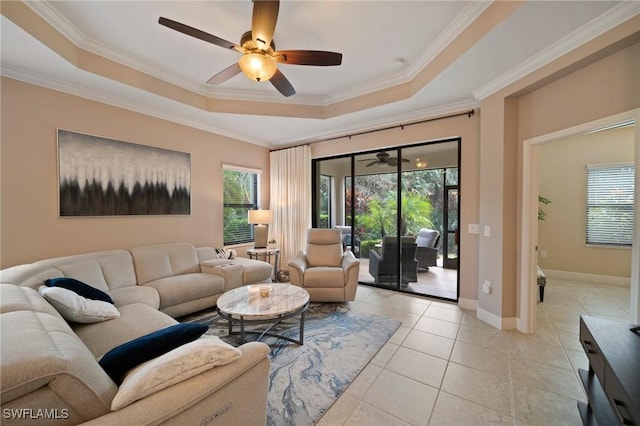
372 36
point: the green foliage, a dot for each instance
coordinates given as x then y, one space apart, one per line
541 213
379 217
416 214
366 246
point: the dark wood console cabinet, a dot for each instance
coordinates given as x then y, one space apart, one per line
612 383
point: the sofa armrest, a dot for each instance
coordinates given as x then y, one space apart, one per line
235 393
297 266
231 272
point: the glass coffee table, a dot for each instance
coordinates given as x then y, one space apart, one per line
263 304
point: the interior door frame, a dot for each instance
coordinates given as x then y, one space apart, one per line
529 230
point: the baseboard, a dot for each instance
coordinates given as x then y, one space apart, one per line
578 276
469 304
496 321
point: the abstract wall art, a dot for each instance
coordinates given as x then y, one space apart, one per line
105 177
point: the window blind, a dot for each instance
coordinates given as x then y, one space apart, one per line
241 194
610 204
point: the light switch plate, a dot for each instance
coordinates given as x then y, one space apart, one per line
474 228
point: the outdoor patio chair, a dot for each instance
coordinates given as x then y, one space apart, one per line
383 265
427 248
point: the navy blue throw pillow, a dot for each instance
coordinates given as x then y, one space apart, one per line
80 288
123 358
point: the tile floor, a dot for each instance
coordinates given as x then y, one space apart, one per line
445 367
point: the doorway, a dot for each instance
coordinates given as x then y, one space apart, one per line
528 260
398 210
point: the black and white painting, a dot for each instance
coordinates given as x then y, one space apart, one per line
106 177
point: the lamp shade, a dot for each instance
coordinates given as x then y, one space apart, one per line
260 217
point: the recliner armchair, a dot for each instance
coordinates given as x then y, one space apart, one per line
383 267
327 272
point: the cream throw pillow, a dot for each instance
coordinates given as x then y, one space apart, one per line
76 308
173 367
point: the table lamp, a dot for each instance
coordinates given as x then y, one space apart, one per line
262 219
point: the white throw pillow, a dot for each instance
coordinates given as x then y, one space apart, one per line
173 367
74 307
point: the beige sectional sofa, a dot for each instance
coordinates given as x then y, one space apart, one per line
50 369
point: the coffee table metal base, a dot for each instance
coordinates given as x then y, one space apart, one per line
274 321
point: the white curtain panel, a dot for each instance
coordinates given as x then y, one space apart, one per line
290 196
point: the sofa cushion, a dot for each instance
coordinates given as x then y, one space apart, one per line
123 358
254 271
47 358
135 320
79 288
324 276
74 307
324 247
136 294
187 287
164 260
173 367
88 272
427 237
105 269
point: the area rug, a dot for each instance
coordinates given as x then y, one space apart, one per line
306 380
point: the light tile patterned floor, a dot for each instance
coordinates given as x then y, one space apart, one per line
445 367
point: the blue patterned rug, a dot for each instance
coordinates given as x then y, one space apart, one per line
306 380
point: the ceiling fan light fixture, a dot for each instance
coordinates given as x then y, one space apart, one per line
257 66
421 163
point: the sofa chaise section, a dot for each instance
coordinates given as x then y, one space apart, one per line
51 366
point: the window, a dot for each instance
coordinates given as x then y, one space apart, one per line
241 194
610 204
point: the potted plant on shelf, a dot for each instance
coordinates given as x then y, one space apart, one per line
272 243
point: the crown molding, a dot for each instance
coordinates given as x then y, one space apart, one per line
56 20
99 96
47 12
603 23
469 14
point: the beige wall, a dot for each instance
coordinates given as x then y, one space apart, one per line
560 95
31 228
563 180
469 131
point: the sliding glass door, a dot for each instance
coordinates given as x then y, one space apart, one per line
398 212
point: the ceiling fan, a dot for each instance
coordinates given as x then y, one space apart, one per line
384 158
259 55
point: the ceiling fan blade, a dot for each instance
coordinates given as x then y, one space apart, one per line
393 161
263 24
308 57
194 32
372 163
281 83
225 74
405 160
